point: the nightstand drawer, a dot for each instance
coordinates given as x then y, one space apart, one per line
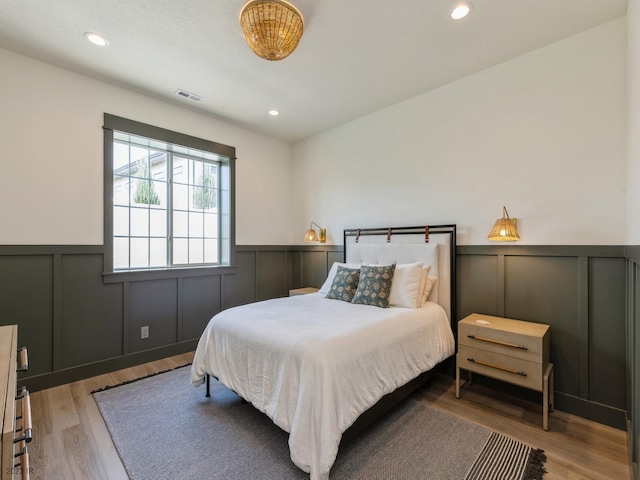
513 370
515 338
498 341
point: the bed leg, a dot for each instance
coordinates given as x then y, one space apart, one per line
208 385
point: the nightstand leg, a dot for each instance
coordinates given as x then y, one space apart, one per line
547 396
457 381
551 390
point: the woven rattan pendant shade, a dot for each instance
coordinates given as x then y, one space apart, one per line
272 28
504 230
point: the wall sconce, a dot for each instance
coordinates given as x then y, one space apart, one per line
312 236
504 230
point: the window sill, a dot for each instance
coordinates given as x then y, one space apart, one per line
165 273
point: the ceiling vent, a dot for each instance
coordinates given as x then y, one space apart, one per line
190 96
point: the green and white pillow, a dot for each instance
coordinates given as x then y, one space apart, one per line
374 286
344 284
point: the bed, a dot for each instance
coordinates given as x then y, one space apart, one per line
322 367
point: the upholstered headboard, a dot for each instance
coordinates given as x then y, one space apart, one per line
432 245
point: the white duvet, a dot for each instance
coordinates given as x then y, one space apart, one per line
313 365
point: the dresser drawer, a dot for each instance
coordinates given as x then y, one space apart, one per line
503 367
15 416
8 380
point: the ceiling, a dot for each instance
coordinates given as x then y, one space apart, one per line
355 57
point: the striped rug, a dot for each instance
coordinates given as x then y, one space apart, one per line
503 458
163 428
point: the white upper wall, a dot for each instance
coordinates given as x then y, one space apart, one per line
51 185
633 131
543 134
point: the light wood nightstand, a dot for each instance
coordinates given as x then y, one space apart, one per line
513 351
302 291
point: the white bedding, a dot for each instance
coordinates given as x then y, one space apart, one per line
313 365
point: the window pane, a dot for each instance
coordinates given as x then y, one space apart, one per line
211 225
120 253
197 173
158 223
139 160
144 192
180 197
159 167
139 253
210 251
121 190
120 155
195 224
121 221
205 198
180 224
180 251
158 252
179 170
139 222
160 189
196 250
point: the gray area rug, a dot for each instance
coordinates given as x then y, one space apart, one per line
164 428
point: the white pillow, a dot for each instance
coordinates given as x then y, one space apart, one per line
431 290
423 283
405 286
332 273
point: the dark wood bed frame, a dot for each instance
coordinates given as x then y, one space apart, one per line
386 403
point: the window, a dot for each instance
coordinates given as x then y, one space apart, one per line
168 199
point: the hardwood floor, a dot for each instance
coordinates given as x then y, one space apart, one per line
576 449
71 440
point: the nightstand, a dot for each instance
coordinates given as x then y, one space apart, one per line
302 291
510 350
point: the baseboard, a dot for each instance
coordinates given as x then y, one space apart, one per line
73 374
596 412
634 473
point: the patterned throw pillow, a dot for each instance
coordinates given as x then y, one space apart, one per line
374 286
344 284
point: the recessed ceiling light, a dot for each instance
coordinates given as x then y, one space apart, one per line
96 39
274 113
460 11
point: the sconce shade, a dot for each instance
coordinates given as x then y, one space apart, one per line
272 28
504 230
312 236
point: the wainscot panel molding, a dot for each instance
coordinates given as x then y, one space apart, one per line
580 292
77 324
632 254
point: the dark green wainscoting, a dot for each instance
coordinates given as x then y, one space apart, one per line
580 292
633 357
78 323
